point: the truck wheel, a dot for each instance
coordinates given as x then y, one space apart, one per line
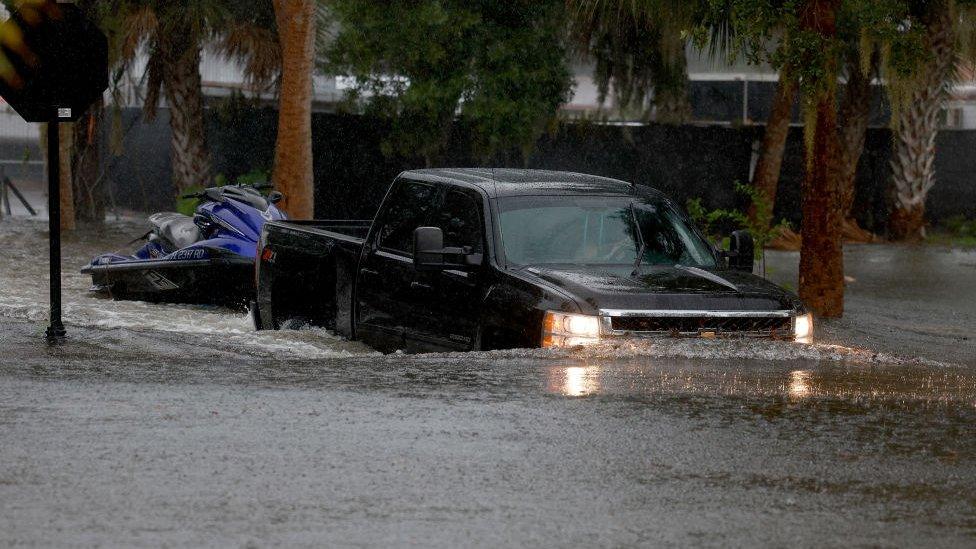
481 342
256 315
344 306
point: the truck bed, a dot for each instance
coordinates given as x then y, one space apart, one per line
351 230
301 267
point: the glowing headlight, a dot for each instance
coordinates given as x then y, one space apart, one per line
567 330
803 328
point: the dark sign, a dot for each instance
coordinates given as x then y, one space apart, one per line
53 61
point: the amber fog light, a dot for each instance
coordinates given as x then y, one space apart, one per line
569 330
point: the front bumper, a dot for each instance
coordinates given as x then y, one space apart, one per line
787 325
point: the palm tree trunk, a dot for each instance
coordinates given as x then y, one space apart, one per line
821 255
766 177
65 139
917 124
854 112
184 94
89 186
293 149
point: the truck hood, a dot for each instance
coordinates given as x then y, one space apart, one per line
667 288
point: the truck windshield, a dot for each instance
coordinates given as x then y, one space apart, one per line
597 230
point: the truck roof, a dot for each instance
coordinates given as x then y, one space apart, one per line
499 182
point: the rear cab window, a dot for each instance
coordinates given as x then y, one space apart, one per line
459 217
406 207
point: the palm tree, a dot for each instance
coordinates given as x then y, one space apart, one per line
821 257
766 176
87 181
854 112
917 123
293 149
639 50
174 34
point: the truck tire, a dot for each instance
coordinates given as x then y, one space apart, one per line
255 315
344 306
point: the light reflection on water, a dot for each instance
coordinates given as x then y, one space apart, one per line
804 382
574 380
800 384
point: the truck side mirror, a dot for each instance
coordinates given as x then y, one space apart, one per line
429 253
742 251
428 246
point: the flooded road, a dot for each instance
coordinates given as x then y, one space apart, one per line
175 425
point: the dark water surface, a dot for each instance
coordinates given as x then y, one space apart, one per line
179 426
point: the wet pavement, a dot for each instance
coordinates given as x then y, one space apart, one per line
173 425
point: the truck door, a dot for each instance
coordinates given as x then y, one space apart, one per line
451 300
386 304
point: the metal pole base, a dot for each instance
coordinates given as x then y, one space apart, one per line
56 333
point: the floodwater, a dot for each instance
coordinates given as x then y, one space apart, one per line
179 425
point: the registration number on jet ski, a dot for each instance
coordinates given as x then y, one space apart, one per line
188 254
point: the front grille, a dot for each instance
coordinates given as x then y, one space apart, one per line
759 326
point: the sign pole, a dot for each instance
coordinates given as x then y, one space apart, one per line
59 64
55 332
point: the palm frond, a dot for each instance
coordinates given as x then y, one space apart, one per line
256 49
137 27
153 78
638 45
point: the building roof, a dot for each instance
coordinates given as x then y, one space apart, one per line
498 182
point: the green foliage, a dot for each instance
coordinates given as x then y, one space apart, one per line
775 32
957 232
501 66
187 206
760 226
959 225
254 177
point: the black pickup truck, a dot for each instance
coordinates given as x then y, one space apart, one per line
478 259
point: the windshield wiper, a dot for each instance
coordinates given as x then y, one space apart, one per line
640 238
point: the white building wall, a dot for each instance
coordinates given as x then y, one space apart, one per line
12 126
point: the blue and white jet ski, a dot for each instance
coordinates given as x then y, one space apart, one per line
207 258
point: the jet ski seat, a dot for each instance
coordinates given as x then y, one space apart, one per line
175 228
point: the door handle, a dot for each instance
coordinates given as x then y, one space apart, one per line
369 272
420 286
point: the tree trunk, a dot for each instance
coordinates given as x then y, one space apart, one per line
179 64
821 255
65 139
87 181
913 157
766 177
854 111
293 149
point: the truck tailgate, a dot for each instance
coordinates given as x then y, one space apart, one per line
297 266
